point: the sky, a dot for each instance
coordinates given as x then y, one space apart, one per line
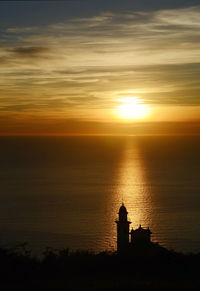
99 67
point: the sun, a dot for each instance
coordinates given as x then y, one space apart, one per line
132 108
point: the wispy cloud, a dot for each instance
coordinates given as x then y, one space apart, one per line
29 52
79 67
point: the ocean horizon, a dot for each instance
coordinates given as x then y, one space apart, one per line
64 192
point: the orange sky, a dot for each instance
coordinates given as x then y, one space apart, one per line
74 74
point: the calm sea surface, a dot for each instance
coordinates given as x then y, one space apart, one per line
66 191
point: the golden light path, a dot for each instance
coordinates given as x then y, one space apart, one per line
131 187
132 108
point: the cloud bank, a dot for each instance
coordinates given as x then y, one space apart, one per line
79 67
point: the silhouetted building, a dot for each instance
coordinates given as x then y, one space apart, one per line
140 236
122 229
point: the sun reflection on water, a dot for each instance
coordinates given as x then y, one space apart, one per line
129 184
132 187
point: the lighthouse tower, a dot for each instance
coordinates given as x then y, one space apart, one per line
122 230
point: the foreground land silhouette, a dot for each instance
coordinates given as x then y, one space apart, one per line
145 268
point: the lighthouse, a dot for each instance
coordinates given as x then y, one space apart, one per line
122 230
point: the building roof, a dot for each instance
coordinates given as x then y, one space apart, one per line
140 229
123 209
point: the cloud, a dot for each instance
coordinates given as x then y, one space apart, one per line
79 67
47 12
29 52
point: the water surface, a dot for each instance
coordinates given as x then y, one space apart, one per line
66 191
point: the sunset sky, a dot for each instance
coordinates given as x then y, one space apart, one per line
99 67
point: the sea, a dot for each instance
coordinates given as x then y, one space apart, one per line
65 192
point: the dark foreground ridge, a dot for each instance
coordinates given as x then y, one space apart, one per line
149 267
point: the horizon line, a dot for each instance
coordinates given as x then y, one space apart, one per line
93 135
